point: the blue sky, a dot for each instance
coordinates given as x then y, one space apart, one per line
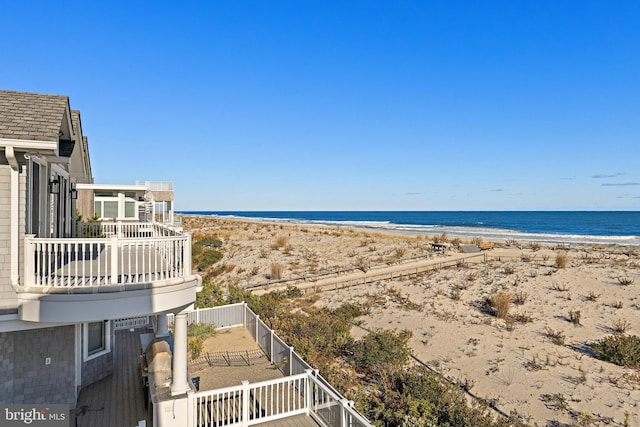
347 105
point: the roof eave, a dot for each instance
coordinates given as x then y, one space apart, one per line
44 147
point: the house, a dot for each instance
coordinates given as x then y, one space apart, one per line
148 201
62 287
66 286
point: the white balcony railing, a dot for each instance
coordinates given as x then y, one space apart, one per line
250 404
108 254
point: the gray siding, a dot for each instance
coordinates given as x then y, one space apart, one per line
26 378
8 296
98 368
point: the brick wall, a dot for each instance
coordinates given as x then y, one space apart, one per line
26 378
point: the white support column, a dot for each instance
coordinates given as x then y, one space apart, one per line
14 233
179 381
113 242
162 328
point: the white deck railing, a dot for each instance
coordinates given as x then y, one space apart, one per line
125 229
132 253
250 404
302 391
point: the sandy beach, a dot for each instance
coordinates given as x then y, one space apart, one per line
537 360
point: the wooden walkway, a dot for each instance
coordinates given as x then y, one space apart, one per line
117 400
339 281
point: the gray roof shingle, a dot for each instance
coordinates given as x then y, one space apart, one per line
31 116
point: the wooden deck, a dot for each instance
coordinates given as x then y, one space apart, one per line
118 399
297 421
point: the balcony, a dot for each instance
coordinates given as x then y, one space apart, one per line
141 268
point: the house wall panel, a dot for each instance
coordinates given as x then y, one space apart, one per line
6 366
84 204
28 378
96 369
6 289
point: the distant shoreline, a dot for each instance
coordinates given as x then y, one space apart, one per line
479 229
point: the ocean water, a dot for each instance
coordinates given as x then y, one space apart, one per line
612 227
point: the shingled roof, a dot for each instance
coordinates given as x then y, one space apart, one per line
31 116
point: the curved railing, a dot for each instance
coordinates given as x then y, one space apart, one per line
118 254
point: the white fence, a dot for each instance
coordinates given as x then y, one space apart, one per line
132 229
301 391
130 322
224 316
135 253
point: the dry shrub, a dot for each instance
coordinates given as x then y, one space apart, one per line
574 317
556 337
400 252
440 239
592 296
276 271
281 242
562 260
522 318
559 287
501 303
620 326
520 297
625 281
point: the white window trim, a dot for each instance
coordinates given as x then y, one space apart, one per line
85 341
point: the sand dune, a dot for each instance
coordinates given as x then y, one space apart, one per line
514 363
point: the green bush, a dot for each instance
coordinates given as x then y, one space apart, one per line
201 330
204 257
210 296
623 350
418 397
380 350
197 333
209 243
195 345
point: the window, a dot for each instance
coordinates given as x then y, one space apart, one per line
97 339
130 209
110 210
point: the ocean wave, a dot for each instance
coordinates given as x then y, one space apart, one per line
452 231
